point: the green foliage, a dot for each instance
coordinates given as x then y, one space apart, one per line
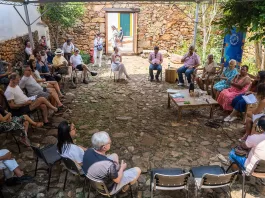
244 16
63 14
85 57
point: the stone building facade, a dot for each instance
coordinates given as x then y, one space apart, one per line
158 24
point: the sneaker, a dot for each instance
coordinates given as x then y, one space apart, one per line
85 81
180 84
227 118
233 119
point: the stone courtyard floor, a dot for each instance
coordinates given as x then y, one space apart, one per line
144 132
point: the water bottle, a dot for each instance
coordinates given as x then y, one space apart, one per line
168 65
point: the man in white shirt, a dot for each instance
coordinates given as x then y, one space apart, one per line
68 48
77 63
256 143
20 104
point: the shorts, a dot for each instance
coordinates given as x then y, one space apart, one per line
21 111
239 160
43 94
79 67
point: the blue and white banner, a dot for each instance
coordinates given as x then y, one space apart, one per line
233 46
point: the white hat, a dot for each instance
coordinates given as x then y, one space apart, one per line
58 51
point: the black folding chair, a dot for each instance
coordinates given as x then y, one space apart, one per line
14 133
258 171
169 179
101 188
212 177
49 155
74 168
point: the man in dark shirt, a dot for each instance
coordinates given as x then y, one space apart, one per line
98 166
4 73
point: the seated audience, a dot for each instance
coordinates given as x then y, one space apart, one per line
4 73
97 165
209 72
28 50
239 85
34 89
59 61
43 57
52 86
259 109
68 49
238 103
117 65
20 104
77 63
43 43
191 61
256 143
10 166
66 146
155 60
225 79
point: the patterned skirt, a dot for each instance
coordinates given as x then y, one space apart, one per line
15 124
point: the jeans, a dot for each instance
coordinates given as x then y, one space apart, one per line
188 73
154 67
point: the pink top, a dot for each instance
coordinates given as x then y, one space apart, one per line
156 58
192 60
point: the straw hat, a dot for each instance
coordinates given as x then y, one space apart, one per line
58 51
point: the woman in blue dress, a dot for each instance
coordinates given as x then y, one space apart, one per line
226 77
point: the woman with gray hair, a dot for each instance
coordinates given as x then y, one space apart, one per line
106 168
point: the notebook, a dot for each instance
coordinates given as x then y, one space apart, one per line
177 95
178 99
250 99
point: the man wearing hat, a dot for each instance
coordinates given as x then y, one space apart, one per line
68 49
59 61
77 63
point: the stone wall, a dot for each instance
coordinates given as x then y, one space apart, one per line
13 50
158 24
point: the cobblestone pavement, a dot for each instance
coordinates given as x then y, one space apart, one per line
144 133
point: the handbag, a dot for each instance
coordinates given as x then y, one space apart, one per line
241 151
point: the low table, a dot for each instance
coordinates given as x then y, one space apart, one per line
195 102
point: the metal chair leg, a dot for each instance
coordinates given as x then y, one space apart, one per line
49 179
84 187
243 185
66 174
89 190
16 142
37 160
131 190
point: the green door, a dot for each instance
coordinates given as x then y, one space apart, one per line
125 23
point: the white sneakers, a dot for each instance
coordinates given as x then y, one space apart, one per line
180 84
230 118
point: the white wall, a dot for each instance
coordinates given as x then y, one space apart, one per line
112 20
11 25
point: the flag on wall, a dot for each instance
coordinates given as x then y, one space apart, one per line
233 46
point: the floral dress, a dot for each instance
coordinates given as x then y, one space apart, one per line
223 84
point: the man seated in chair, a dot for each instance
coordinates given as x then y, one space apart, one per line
77 63
20 104
59 61
155 60
3 72
191 61
106 168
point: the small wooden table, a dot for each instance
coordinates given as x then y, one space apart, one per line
195 102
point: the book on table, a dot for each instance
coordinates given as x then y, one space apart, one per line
177 95
250 99
179 99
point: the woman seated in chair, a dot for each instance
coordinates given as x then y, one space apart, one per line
239 85
117 65
209 72
258 110
225 78
9 123
239 104
66 146
256 143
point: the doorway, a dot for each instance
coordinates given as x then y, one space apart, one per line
121 24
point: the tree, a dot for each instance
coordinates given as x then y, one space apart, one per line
246 16
61 16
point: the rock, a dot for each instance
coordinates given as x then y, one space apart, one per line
119 135
49 140
175 153
123 118
205 143
52 132
70 194
131 148
166 37
27 155
31 190
148 140
40 195
84 127
224 144
91 132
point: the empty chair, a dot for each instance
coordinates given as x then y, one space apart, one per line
169 179
72 167
49 155
212 177
101 188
